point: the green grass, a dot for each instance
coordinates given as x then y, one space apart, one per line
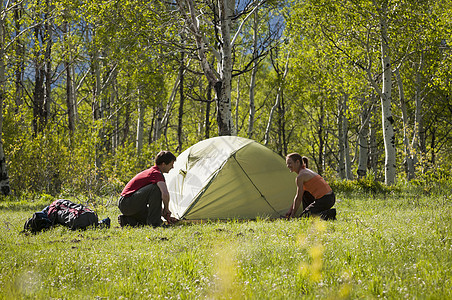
394 248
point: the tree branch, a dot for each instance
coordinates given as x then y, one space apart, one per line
239 30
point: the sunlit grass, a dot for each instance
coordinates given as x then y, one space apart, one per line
396 248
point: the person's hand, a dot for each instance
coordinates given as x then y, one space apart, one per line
289 213
167 215
172 220
165 212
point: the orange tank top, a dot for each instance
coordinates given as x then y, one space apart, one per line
317 186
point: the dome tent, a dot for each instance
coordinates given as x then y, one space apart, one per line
229 177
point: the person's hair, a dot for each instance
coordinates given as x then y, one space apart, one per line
295 156
305 161
164 157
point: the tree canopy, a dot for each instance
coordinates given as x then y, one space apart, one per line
91 91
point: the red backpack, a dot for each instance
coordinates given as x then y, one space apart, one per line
72 215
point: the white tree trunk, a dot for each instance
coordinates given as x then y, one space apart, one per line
159 124
418 141
373 150
97 108
207 115
252 111
408 158
340 135
270 117
69 83
169 107
321 136
74 97
385 98
20 57
362 140
220 80
237 103
347 160
325 144
4 180
69 98
224 115
181 102
48 62
387 119
97 113
139 139
113 115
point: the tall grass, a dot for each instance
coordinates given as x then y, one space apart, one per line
380 247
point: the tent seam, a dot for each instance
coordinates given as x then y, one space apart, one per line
262 195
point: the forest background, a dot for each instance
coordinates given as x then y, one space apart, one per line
91 91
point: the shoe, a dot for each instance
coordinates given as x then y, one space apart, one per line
128 221
329 214
105 223
121 221
332 214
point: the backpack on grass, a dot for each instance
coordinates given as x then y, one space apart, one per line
66 213
39 222
72 215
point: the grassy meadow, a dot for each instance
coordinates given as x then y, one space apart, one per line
391 247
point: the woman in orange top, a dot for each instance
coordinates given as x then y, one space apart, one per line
320 197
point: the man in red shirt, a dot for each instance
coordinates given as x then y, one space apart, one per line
141 199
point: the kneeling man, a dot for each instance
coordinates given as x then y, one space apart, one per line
141 199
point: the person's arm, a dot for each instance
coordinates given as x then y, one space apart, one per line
165 196
298 198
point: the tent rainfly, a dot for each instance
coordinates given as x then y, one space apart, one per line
229 177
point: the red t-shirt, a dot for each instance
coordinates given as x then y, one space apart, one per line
149 176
